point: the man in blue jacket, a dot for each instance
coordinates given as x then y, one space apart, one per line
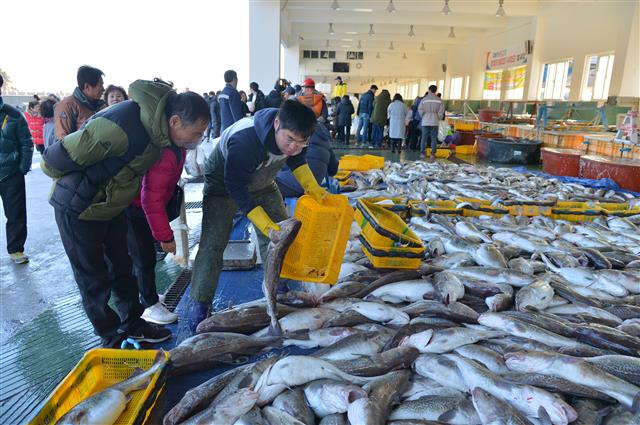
229 100
365 109
16 150
240 175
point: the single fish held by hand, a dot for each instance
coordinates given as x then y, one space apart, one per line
278 246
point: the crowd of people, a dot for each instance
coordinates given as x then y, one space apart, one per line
116 156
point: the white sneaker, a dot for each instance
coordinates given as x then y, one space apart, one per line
19 257
161 298
159 314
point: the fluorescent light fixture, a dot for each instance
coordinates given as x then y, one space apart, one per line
351 32
446 10
346 39
391 45
411 33
404 56
331 31
378 55
391 7
363 10
371 31
335 5
422 47
345 45
500 13
451 33
359 44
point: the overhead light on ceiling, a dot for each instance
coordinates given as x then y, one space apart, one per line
346 39
378 55
331 31
371 31
335 5
391 45
301 38
345 46
446 10
422 47
451 33
326 44
500 12
411 33
404 56
391 7
359 44
351 32
363 10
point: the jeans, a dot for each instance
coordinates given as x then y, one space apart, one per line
14 202
429 132
414 134
363 123
376 134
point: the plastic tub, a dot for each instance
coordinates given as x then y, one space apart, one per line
487 115
98 369
392 258
509 151
383 228
360 163
317 252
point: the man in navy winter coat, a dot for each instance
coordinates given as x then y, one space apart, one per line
229 100
365 109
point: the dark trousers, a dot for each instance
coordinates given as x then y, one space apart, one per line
396 144
344 133
414 134
40 148
14 202
97 251
143 255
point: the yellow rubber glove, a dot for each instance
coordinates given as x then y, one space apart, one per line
309 183
261 220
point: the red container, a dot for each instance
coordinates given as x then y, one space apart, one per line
463 137
487 115
561 162
625 172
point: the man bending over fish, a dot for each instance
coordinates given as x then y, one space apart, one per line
240 175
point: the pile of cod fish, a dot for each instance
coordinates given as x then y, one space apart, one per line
507 321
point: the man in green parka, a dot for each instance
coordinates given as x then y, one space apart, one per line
97 172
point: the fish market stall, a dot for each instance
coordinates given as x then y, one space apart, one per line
508 150
523 307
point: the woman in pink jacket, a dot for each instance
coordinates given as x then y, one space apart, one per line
149 222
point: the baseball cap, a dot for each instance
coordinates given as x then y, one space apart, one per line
308 82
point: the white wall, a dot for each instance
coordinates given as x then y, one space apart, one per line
630 85
390 66
561 30
264 42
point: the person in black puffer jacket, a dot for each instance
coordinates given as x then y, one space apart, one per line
16 151
345 111
274 98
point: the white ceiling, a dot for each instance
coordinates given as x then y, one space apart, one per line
308 21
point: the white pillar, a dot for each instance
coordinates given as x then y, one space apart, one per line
264 42
292 63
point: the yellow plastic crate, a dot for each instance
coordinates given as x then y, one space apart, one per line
442 153
577 214
317 252
342 175
360 163
619 209
574 205
400 206
481 207
383 228
529 208
98 369
463 126
466 149
420 209
392 258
